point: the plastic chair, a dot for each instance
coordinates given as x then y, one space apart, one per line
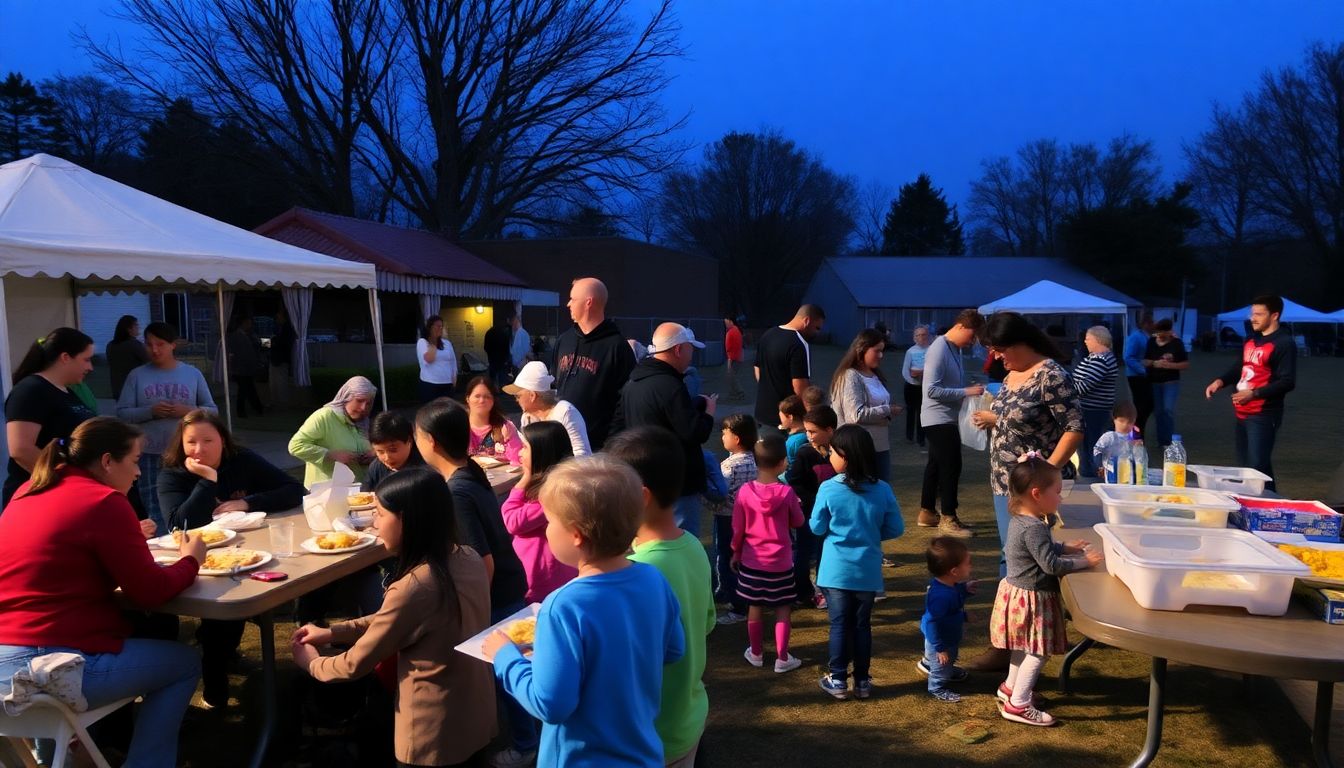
49 718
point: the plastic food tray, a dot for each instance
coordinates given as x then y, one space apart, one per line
1299 540
1168 569
1231 479
1139 505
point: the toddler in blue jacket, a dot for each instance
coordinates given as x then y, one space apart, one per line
945 615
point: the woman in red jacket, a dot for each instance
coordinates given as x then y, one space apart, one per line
68 540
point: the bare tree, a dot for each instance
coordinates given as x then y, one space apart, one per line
1080 176
1128 172
874 201
996 204
100 121
1222 175
767 210
290 72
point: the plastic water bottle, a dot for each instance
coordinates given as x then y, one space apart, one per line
1124 470
1111 463
1140 454
1173 463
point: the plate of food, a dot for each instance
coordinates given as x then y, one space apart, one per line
360 500
489 462
213 537
521 628
223 562
338 542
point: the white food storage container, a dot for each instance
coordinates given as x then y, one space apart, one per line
1170 568
1164 505
1243 480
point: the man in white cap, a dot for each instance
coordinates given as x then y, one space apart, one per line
532 387
656 395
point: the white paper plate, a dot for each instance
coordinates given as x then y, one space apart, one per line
365 540
266 557
167 542
472 645
489 462
240 521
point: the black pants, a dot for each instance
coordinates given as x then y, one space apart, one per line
429 391
219 641
1142 392
943 471
247 394
914 397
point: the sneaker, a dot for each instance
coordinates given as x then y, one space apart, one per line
1005 694
837 688
927 518
788 665
947 696
880 596
730 617
512 758
819 600
1026 715
951 526
956 676
863 688
754 659
889 562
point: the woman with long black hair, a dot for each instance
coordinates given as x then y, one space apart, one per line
439 596
438 361
41 408
125 352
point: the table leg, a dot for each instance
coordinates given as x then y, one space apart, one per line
1320 729
1074 653
1157 682
266 625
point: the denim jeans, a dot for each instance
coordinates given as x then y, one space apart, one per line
150 464
1001 518
805 546
1164 410
725 582
1255 442
1095 424
939 673
524 729
164 672
687 512
851 614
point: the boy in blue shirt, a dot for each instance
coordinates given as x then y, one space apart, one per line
945 615
596 674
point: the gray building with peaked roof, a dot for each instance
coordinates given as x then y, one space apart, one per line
903 292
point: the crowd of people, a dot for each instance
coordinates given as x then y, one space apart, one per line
602 526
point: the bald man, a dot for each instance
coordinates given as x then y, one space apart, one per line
592 359
656 395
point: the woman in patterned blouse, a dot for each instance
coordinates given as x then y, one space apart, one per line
1036 410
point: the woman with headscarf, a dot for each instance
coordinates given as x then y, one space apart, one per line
338 432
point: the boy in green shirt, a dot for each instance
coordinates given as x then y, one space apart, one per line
657 456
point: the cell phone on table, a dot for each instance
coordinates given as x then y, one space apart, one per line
269 576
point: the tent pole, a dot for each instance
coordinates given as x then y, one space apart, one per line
376 314
224 352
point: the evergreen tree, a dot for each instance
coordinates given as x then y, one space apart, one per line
921 223
28 122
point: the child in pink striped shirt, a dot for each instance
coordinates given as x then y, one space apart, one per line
763 514
545 444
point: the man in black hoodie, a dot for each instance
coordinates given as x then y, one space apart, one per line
656 396
592 359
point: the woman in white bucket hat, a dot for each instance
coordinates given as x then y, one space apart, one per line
532 387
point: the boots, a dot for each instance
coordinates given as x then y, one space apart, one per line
927 518
951 525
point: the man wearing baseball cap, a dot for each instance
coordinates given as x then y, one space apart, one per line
656 395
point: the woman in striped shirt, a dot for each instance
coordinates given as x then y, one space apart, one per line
1094 379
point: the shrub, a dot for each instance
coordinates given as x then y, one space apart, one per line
402 382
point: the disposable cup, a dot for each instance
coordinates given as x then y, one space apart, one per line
282 538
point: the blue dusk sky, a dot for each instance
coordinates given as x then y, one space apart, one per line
886 90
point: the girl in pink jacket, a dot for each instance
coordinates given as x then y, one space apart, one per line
545 444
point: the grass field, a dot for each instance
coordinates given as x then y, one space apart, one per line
758 718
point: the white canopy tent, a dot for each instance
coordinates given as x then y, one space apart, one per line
65 230
1292 313
1050 298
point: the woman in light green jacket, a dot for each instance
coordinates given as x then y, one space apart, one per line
336 432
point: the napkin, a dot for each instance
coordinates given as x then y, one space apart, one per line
240 521
328 501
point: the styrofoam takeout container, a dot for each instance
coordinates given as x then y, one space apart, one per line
1138 505
1169 568
1244 480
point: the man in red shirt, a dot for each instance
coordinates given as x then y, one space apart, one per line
732 347
1267 372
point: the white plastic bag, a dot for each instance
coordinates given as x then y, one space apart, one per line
972 436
